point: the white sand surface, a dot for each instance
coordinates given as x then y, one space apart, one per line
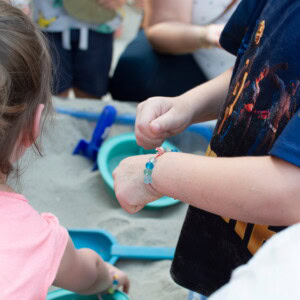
64 185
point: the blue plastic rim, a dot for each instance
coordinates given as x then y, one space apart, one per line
116 149
67 295
204 129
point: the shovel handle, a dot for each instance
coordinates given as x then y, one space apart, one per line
144 253
106 119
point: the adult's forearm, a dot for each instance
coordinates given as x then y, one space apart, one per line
206 100
261 190
176 38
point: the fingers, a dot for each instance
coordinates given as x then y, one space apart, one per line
123 280
161 125
146 142
126 285
105 3
122 198
221 27
150 133
111 4
130 208
146 113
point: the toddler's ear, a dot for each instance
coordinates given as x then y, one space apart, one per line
36 125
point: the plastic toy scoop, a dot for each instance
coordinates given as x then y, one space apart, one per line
90 149
110 250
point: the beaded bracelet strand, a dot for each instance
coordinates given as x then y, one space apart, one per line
115 284
114 287
151 163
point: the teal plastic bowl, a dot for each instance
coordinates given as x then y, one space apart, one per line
115 149
67 295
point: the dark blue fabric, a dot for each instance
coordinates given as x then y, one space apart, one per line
287 146
240 23
260 117
142 73
87 70
254 116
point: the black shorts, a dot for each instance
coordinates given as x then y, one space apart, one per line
86 70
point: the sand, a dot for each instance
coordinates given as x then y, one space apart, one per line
64 185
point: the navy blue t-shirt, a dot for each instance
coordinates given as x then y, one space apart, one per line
261 116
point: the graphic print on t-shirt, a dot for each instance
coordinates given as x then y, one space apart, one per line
253 123
241 113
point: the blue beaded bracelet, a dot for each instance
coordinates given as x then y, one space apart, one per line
151 163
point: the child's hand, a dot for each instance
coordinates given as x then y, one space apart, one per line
159 118
112 4
131 191
122 277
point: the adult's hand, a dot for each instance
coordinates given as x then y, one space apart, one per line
212 35
159 118
112 4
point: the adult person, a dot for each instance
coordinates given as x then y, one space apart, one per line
176 50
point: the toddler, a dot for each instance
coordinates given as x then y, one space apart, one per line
35 251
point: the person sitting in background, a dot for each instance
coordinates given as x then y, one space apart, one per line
177 49
81 50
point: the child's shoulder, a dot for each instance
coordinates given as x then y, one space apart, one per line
19 217
27 236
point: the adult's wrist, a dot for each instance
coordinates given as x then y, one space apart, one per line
202 41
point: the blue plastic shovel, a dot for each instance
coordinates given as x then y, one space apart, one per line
90 149
110 250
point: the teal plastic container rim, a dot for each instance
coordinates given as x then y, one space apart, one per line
102 161
67 295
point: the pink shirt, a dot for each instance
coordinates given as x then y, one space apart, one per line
31 248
